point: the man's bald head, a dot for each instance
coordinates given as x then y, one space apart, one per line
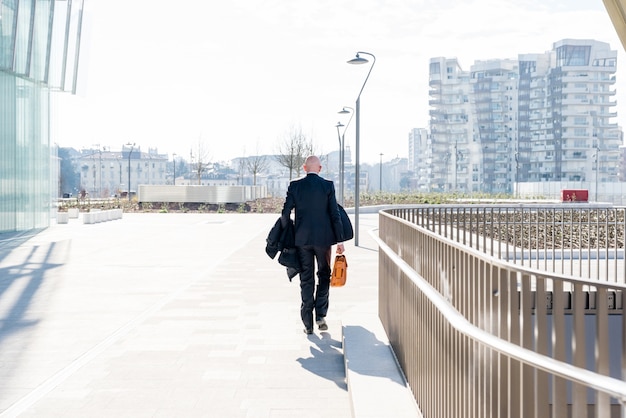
312 164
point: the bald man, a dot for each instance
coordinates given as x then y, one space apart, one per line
317 228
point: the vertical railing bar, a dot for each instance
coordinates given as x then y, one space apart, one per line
597 249
541 252
622 352
579 392
523 324
548 233
457 346
562 241
602 352
444 221
532 245
554 234
571 245
464 226
580 242
623 235
607 249
521 243
506 235
616 237
559 385
504 332
541 343
514 234
480 349
514 318
484 232
589 243
491 224
499 239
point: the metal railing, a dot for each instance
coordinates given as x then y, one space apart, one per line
486 318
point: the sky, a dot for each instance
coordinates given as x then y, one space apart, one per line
239 76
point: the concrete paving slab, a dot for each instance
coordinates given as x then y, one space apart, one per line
165 315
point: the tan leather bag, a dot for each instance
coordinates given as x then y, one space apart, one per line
340 271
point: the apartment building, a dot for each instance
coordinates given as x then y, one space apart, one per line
419 161
450 126
541 118
494 136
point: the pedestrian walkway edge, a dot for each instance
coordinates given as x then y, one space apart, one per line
375 381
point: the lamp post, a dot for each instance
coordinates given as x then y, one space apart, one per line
357 174
380 176
100 171
340 160
342 149
129 154
174 161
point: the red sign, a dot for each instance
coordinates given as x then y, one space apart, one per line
580 195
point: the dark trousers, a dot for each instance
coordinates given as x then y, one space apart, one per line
312 299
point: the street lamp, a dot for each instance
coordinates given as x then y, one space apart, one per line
357 174
129 154
174 160
340 163
380 177
342 150
119 187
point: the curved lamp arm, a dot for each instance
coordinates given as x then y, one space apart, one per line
359 60
351 111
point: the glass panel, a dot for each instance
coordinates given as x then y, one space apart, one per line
7 32
41 39
24 31
73 45
58 47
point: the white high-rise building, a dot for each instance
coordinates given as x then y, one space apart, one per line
420 158
450 125
542 117
494 138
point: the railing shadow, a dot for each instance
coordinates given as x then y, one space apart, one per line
21 278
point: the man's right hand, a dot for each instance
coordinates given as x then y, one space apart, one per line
340 248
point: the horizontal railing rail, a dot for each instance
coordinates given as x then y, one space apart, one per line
479 335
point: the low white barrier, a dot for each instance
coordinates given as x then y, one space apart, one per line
98 216
200 194
62 217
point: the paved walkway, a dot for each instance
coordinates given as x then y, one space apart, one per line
170 315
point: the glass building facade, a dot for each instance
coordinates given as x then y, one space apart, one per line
39 55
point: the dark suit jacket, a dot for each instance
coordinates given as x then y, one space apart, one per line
283 240
317 217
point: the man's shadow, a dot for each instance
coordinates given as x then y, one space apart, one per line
327 359
369 356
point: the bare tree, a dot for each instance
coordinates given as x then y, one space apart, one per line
293 151
241 164
256 164
202 158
